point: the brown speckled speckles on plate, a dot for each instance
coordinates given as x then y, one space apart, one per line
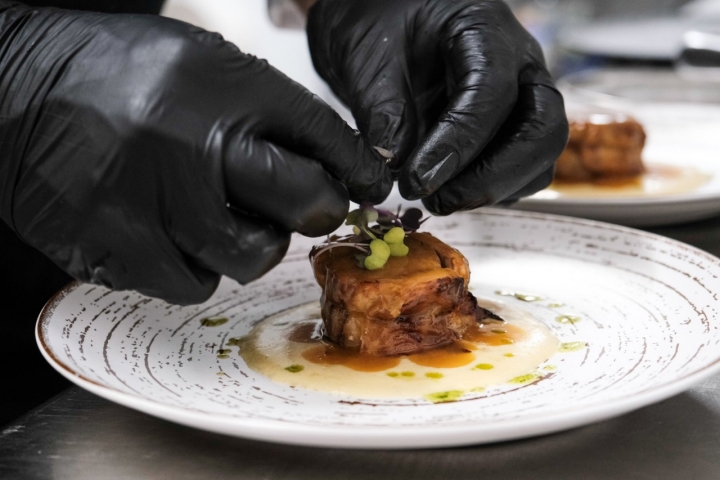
643 325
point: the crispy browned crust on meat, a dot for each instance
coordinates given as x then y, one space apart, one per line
414 303
595 151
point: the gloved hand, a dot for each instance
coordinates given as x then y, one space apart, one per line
456 89
124 137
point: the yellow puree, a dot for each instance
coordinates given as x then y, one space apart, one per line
500 354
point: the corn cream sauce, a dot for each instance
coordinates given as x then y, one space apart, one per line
288 348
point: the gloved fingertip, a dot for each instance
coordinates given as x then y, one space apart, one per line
435 205
410 186
448 201
428 170
198 291
327 216
406 191
381 190
269 245
377 188
389 127
203 292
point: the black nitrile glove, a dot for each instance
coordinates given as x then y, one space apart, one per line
124 137
456 89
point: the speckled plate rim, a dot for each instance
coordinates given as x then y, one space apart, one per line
373 437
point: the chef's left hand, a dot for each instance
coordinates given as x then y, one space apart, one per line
456 89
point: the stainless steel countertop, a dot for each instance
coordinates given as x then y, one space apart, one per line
80 436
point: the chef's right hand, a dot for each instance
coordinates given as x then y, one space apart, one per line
125 137
457 90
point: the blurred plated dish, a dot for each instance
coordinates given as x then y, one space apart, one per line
679 178
654 38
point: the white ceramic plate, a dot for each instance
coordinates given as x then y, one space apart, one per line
638 39
648 307
678 134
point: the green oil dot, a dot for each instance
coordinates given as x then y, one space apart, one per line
506 341
478 389
392 374
556 305
499 331
550 368
528 298
441 397
223 356
213 321
220 374
568 319
295 368
483 366
525 379
235 341
407 374
525 297
509 355
434 375
572 346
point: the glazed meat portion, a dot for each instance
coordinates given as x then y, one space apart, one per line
414 303
602 150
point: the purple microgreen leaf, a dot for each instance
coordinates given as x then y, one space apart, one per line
386 213
411 219
388 218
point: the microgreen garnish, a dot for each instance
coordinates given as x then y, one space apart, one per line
378 233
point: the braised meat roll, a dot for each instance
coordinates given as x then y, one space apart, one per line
602 150
414 303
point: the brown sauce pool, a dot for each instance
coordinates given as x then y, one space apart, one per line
327 354
494 334
610 182
309 332
457 354
449 356
497 353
